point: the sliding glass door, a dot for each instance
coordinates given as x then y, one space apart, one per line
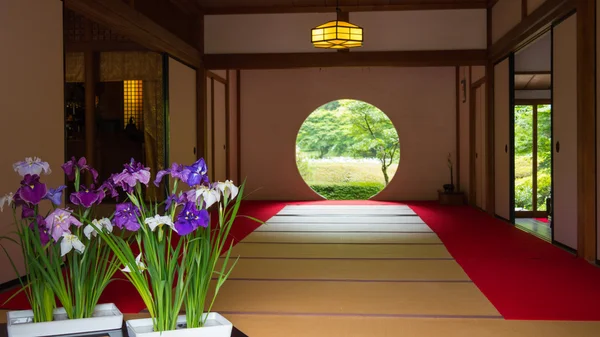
533 148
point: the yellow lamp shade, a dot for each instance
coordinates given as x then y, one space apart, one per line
337 35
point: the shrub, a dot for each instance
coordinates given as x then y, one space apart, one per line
348 191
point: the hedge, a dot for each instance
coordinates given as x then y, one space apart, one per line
348 191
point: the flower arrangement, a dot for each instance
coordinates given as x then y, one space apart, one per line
64 259
176 252
168 250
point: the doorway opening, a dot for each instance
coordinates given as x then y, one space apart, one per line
532 126
347 150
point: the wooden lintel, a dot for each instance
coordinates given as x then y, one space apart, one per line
100 46
354 59
397 6
120 17
530 27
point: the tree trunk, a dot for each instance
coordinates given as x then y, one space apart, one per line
385 174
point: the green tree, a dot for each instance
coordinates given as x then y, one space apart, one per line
321 133
373 133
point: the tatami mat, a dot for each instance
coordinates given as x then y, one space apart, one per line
346 227
346 219
355 251
356 326
393 298
289 210
340 237
366 270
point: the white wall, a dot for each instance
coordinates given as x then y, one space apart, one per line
182 113
31 99
536 57
506 14
383 31
275 103
233 131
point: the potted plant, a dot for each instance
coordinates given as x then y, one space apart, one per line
449 188
175 255
63 260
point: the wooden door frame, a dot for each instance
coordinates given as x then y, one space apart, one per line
534 103
472 140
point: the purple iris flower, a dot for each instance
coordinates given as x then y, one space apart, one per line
178 200
55 195
59 221
31 190
40 225
86 197
130 176
176 171
109 187
126 216
198 173
191 218
72 165
27 212
31 166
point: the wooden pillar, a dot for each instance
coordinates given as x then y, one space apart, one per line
201 124
489 124
90 71
586 129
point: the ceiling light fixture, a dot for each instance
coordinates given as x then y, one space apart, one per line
337 34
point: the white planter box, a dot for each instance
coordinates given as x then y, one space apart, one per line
106 317
216 326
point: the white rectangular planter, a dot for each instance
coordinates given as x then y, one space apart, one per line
216 326
106 317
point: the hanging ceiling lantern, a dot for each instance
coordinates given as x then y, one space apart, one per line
337 34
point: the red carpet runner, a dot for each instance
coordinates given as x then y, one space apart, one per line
524 277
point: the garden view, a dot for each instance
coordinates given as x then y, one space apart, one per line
347 150
525 151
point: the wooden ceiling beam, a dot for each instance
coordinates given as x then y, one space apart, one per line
355 59
407 6
118 16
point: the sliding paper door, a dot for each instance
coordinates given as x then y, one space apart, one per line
564 131
501 139
220 131
182 113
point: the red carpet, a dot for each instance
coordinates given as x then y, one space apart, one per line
542 220
524 277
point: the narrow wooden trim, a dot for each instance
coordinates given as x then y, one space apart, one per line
530 214
120 17
399 5
492 3
239 124
216 77
478 83
472 147
534 161
533 72
100 46
227 133
532 101
457 142
425 58
523 9
531 27
212 127
586 129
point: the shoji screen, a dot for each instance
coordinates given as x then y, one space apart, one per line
501 138
182 113
564 131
